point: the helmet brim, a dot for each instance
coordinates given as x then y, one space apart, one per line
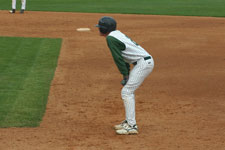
99 26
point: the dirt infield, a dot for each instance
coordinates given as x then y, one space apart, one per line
180 106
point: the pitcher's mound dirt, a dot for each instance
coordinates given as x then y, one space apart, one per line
180 106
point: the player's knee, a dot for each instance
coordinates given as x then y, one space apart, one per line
126 94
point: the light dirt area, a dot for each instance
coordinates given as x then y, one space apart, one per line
180 106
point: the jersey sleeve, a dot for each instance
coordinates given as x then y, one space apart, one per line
116 47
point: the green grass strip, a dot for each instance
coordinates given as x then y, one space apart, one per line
27 67
214 8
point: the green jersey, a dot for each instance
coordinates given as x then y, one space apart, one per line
124 51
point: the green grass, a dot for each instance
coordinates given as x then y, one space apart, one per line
27 67
156 7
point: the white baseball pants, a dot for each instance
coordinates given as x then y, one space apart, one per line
23 4
137 75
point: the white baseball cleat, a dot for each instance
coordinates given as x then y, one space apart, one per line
127 129
120 126
13 11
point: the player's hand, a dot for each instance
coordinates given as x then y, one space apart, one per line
125 79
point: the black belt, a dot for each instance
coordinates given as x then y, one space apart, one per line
145 58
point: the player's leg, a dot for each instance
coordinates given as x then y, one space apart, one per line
13 6
136 78
23 6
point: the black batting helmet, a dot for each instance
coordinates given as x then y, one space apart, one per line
106 24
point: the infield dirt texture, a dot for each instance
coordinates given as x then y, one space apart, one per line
180 106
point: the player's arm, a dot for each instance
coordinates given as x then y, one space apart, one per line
116 46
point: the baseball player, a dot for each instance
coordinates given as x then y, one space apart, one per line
23 6
126 52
